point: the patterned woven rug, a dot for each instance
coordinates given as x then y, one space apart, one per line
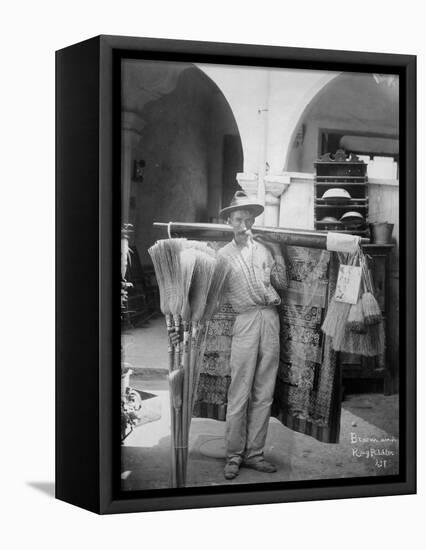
307 391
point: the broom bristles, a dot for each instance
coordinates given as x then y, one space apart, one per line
155 254
171 249
203 273
176 387
165 255
355 320
336 317
188 260
348 341
369 344
372 312
218 282
376 339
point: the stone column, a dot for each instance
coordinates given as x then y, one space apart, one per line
275 186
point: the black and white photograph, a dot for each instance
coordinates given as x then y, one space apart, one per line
260 274
212 275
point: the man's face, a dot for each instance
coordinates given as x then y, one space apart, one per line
241 221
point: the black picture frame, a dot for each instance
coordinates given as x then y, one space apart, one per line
87 297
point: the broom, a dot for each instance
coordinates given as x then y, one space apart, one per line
188 262
164 255
371 308
202 277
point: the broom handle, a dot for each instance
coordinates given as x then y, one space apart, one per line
172 440
186 420
178 351
169 325
178 447
193 356
194 349
186 358
170 348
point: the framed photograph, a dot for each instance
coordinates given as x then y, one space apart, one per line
208 351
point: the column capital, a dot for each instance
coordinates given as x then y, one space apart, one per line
276 185
249 182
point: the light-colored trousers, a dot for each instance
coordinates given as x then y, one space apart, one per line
254 363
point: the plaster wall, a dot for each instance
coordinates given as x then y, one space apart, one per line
297 206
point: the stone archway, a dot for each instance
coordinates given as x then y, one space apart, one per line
177 121
267 104
352 102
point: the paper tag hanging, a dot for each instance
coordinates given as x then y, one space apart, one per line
348 284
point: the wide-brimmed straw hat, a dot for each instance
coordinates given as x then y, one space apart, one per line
240 201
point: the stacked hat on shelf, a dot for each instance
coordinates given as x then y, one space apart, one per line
341 194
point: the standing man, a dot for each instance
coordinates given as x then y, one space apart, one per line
256 268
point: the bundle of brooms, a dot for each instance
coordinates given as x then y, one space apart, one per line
356 328
191 280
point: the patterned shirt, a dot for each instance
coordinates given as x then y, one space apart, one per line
253 273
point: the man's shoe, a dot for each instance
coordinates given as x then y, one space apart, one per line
261 466
231 470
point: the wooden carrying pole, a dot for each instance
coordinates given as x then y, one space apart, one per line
223 232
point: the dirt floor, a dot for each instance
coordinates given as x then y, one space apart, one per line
368 439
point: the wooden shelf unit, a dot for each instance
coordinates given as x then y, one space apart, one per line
350 174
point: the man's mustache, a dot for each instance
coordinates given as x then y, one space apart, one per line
245 232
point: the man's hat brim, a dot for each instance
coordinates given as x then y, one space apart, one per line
254 207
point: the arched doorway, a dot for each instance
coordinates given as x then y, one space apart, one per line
179 127
354 112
